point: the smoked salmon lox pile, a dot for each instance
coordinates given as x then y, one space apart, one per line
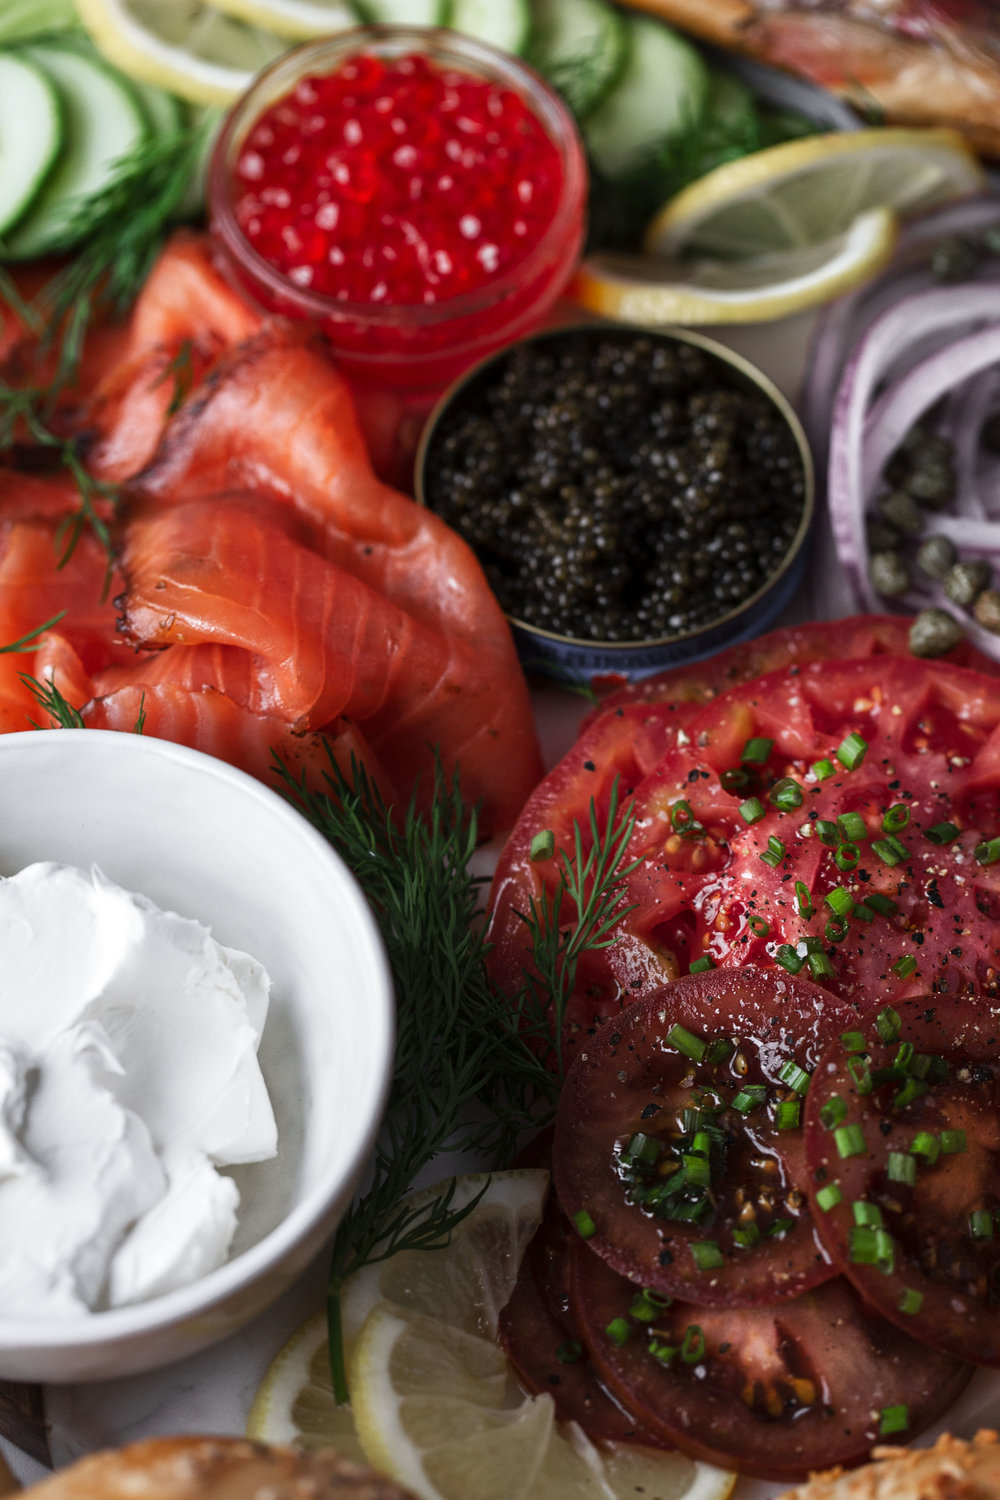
267 593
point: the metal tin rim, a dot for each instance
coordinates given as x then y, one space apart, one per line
672 334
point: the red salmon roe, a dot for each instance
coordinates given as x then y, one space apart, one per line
396 182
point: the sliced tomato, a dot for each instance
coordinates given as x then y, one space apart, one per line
539 1338
903 1140
739 861
788 646
774 1391
679 1151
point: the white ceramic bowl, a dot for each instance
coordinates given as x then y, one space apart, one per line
202 839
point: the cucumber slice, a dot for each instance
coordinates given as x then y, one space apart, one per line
31 133
407 12
104 121
580 46
163 111
660 95
504 23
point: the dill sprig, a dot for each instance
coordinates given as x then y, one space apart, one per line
469 1074
29 640
61 712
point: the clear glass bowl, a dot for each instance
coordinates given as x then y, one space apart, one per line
414 348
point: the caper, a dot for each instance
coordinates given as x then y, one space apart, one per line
889 574
954 259
987 610
933 632
965 581
901 510
881 536
935 556
933 485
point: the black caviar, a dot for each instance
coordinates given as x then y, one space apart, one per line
617 486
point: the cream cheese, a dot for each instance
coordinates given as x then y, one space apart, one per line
128 1075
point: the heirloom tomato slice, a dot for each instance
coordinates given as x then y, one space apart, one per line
903 1142
679 1152
774 1391
836 817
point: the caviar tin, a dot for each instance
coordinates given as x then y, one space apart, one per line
571 658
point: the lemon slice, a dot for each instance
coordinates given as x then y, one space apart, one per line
296 19
809 192
645 289
183 46
295 1401
437 1411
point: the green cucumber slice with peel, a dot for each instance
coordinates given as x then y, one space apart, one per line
31 134
660 95
503 23
580 46
406 12
103 122
164 112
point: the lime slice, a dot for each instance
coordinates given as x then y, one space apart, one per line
183 46
637 289
809 192
295 19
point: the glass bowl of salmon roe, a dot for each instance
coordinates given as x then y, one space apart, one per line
414 193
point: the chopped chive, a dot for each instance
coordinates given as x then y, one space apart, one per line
853 1041
787 957
584 1224
786 794
682 1040
693 1344
543 845
820 966
867 1214
833 1111
904 1057
910 1301
751 1096
901 1167
643 1310
747 1236
758 926
797 1078
619 1331
756 752
840 901
569 1352
850 1140
752 810
683 820
898 846
663 1353
952 1142
895 818
701 965
888 1023
893 1419
852 750
863 1245
913 1088
853 828
719 1051
904 967
735 780
825 831
641 1148
697 1171
988 852
836 930
828 1197
779 1227
884 905
981 1224
943 833
863 912
861 1074
788 1114
846 856
707 1255
887 853
823 769
803 900
926 1145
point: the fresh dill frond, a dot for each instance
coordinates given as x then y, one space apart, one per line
469 1072
181 371
60 710
29 641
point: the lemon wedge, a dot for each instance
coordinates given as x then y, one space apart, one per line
434 1404
809 192
648 289
296 19
187 48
